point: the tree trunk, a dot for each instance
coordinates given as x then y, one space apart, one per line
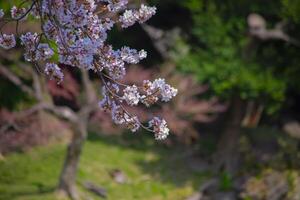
227 151
67 181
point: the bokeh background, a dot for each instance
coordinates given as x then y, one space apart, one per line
235 124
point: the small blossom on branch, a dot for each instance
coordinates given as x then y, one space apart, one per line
145 13
17 13
44 52
105 104
161 131
166 91
30 41
130 17
131 95
158 88
116 5
118 114
132 56
54 72
7 41
133 123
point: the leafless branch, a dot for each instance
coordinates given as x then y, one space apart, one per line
16 80
61 112
162 40
88 87
258 29
37 85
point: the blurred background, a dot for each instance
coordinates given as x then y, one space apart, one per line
235 123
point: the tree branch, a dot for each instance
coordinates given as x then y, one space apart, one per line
158 38
88 87
258 28
16 80
61 112
37 85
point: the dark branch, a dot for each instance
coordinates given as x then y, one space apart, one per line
16 80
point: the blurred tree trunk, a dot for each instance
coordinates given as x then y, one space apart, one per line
227 150
67 181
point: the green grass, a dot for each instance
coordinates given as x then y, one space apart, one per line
154 171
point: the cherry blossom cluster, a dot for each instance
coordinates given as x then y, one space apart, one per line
161 131
130 17
53 71
115 6
76 30
17 13
7 41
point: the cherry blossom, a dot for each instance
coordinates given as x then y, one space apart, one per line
160 128
145 13
54 72
77 31
17 13
7 41
166 91
133 123
132 56
130 17
116 6
131 95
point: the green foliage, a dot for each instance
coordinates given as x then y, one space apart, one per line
153 171
193 5
220 53
291 8
226 182
6 5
